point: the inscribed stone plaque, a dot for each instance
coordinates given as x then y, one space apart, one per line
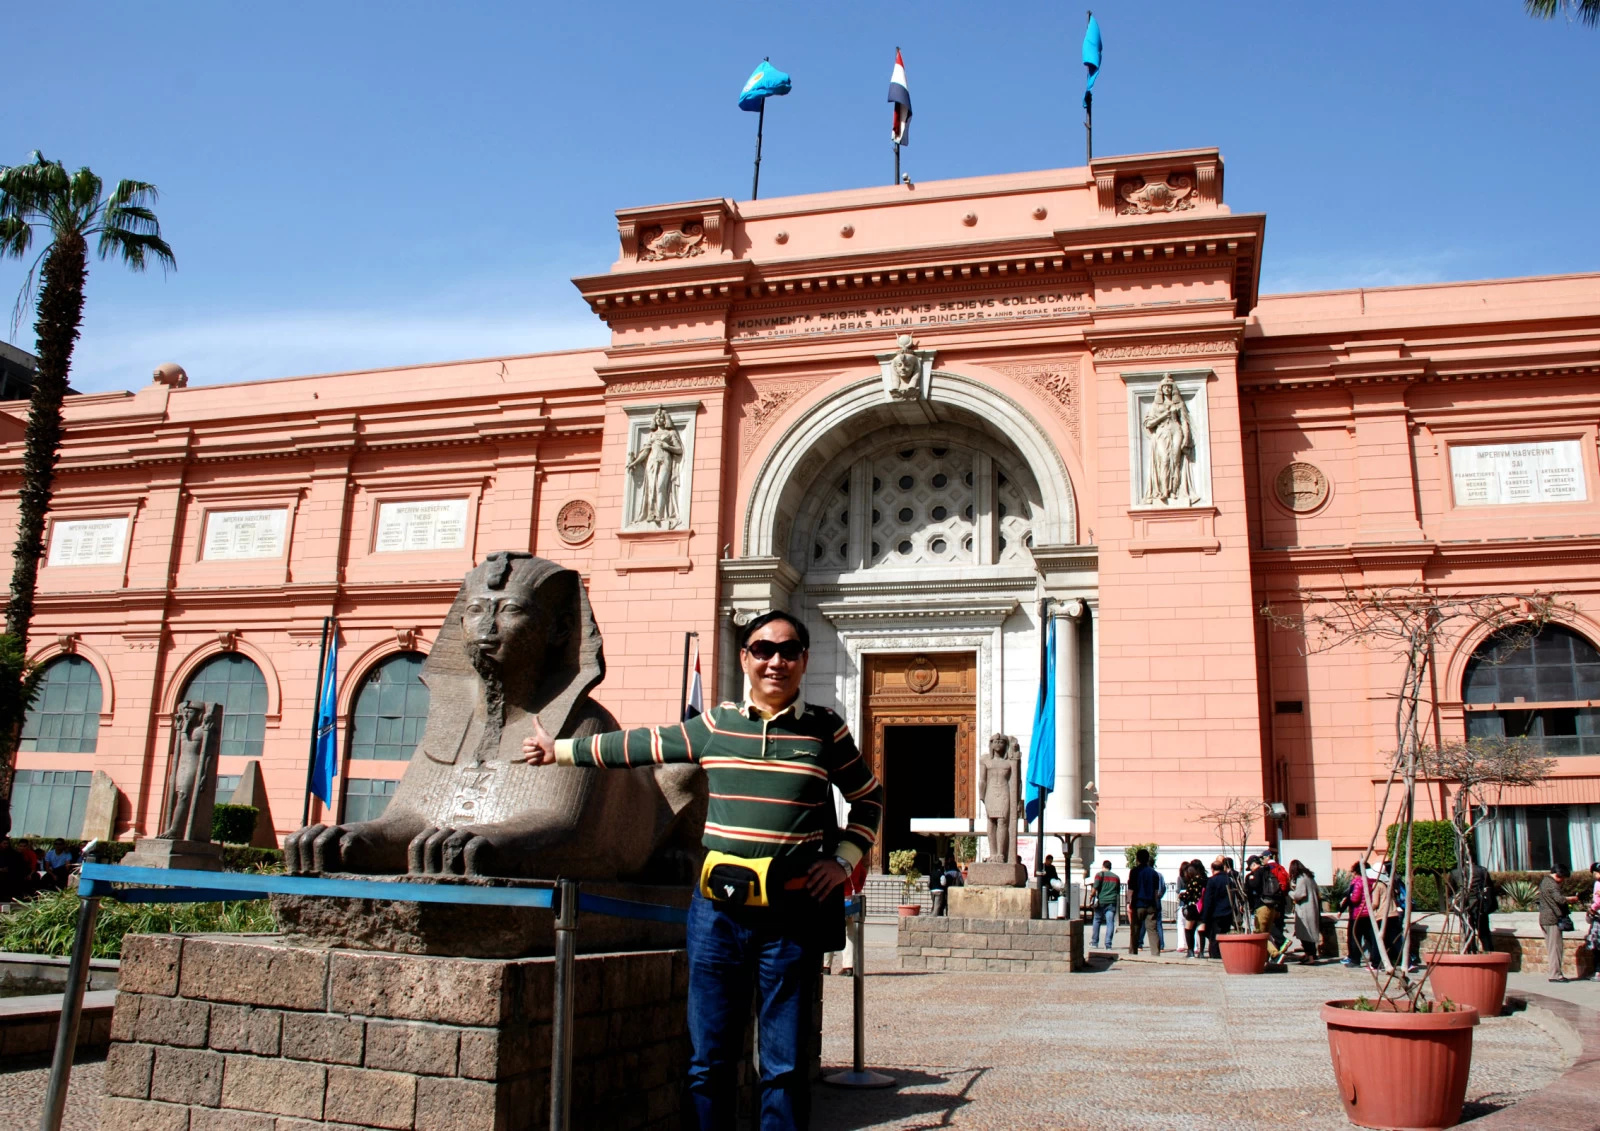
426 524
88 541
231 535
1540 471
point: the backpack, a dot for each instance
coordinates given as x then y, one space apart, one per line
1271 889
1282 873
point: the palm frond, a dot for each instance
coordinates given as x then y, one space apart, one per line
25 292
16 235
133 247
131 218
84 192
1584 11
135 194
31 189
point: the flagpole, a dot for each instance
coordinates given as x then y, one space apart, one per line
1044 794
761 121
316 711
1088 118
896 164
683 698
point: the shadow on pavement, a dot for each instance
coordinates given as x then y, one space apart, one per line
850 1109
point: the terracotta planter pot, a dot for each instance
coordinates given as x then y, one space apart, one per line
1478 980
1243 954
1400 1070
907 910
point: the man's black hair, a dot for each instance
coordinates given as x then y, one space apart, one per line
801 632
1252 860
1142 856
1560 870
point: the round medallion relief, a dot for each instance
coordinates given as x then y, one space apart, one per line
575 521
921 675
1301 487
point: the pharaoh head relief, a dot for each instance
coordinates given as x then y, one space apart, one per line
907 371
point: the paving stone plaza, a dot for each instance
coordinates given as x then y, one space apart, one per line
1133 1044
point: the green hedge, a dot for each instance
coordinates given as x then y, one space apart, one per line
1434 847
1131 853
233 824
45 923
1579 883
235 857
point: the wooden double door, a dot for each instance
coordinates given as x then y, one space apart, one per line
920 718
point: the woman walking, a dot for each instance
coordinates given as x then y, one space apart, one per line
1307 899
1358 929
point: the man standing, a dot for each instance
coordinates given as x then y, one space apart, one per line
1107 894
1218 901
1553 918
768 903
1144 903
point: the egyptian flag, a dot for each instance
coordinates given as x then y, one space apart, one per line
695 703
900 95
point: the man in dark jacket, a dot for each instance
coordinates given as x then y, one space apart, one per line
1218 906
1552 915
1144 903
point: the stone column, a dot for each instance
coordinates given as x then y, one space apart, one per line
1063 803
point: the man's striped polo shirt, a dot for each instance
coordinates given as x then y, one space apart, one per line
768 777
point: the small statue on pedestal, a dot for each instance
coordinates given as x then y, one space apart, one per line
197 732
1000 784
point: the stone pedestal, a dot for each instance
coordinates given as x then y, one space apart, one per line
149 852
949 943
993 873
224 1032
992 903
471 930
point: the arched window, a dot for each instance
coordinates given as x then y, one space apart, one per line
235 682
1536 690
65 717
390 710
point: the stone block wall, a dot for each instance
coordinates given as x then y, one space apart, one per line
230 1034
1029 946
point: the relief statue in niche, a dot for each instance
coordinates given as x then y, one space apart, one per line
518 643
1169 465
659 453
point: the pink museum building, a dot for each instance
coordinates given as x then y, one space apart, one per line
933 420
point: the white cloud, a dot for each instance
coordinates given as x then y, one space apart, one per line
292 343
1346 272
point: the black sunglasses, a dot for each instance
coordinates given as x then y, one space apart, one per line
790 650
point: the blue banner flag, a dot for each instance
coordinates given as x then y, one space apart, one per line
765 81
1042 748
325 760
1092 47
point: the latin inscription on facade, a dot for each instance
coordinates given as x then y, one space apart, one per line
426 524
900 317
234 535
1545 471
88 541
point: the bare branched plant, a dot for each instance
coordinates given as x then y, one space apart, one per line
1233 821
1410 623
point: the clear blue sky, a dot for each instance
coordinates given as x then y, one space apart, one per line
354 185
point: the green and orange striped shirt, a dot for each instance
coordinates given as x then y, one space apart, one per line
768 778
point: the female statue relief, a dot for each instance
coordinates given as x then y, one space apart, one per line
1168 476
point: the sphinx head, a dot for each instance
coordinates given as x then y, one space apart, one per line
519 622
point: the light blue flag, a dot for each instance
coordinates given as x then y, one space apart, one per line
325 762
1091 56
765 82
1042 748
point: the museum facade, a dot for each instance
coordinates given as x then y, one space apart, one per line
936 421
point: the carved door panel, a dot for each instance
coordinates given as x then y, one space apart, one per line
922 689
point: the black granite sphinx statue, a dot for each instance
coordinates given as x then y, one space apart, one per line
518 642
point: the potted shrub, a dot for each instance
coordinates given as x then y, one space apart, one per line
1245 950
1401 1060
903 863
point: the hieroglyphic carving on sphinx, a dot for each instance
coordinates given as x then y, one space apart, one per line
518 643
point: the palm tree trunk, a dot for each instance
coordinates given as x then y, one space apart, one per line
65 267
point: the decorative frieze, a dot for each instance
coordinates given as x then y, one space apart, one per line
1200 347
1058 381
772 397
1139 196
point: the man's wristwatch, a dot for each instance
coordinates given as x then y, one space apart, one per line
846 865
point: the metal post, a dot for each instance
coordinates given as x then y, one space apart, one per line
761 122
896 164
55 1096
683 698
561 1017
859 1076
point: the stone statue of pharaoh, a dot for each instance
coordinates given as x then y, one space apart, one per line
519 642
1000 785
197 733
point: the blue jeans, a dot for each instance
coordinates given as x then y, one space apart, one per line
1106 914
731 956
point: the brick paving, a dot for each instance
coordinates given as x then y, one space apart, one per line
1133 1045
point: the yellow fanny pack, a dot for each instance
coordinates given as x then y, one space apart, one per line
746 881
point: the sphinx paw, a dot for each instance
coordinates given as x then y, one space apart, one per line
298 858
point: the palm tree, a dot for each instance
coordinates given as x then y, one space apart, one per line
72 209
1587 11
